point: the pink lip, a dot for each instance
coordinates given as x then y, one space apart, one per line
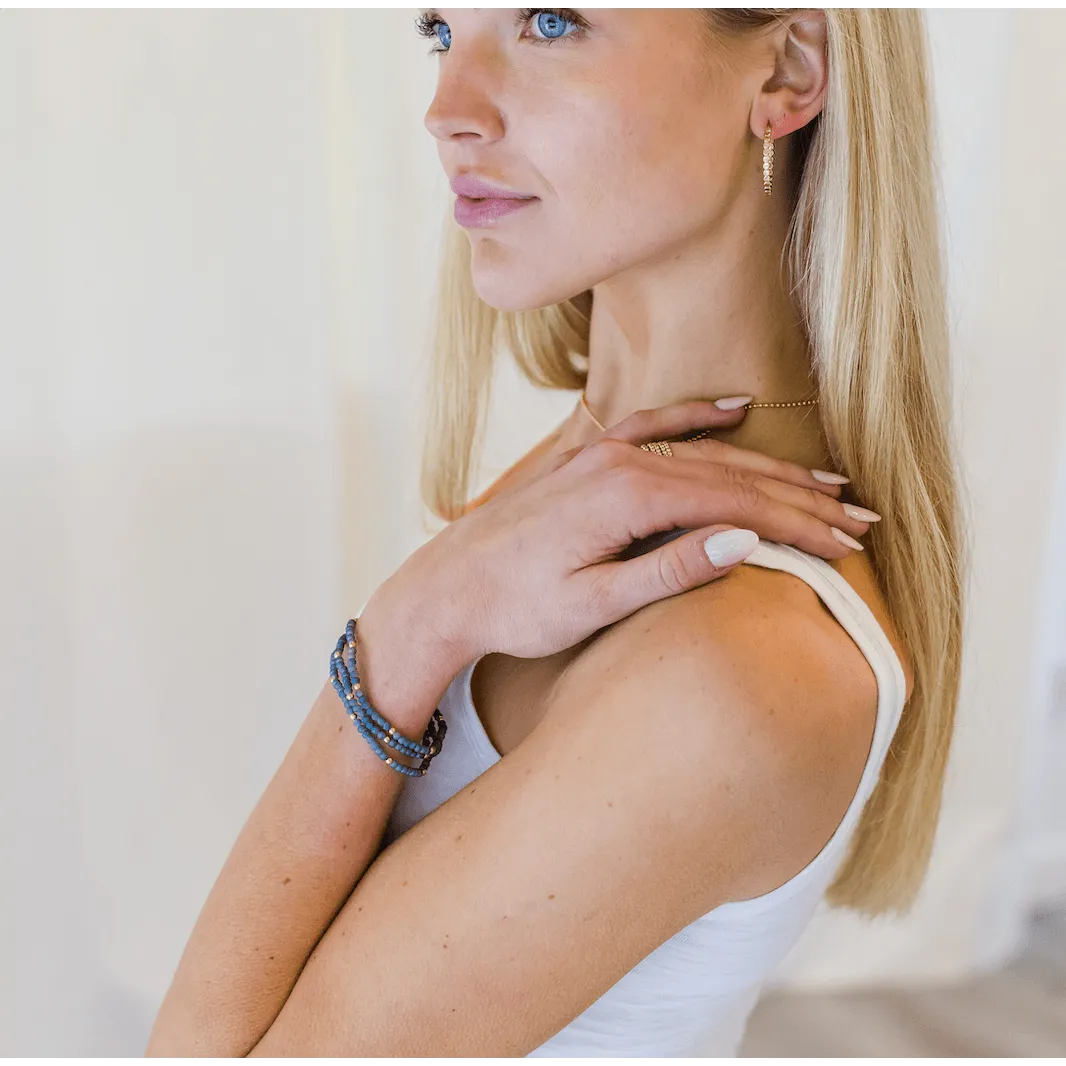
480 203
475 188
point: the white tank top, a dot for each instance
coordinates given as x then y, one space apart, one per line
692 995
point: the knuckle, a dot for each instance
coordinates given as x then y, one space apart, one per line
599 599
645 421
712 447
679 570
638 421
606 452
743 490
816 501
628 482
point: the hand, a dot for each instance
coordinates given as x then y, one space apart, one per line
535 570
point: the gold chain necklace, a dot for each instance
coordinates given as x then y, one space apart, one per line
706 432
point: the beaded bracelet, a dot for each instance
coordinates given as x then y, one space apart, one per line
371 724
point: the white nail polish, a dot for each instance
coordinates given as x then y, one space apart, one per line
731 403
863 514
730 546
850 542
826 478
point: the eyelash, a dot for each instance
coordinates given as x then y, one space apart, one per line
426 25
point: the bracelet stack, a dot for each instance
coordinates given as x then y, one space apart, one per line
371 724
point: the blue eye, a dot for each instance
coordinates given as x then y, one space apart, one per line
430 25
546 23
550 23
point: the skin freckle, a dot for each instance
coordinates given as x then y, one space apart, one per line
286 881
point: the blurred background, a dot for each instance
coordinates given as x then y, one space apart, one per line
218 251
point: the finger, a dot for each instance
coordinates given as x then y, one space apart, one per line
658 493
745 485
719 451
686 562
676 419
850 517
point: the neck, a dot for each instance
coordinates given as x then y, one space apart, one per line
711 318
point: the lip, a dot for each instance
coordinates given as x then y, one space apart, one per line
475 188
481 203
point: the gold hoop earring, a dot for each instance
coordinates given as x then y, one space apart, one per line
767 160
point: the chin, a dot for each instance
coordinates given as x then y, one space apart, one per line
522 289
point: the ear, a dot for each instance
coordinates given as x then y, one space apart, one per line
795 92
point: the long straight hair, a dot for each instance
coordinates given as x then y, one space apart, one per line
866 262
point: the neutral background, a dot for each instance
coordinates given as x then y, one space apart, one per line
216 264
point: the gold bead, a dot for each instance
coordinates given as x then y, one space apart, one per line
767 160
389 761
358 688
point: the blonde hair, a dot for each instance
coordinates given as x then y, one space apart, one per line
865 256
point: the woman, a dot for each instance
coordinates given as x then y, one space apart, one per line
661 760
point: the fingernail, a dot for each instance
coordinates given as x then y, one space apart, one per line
851 542
730 546
861 513
827 478
731 403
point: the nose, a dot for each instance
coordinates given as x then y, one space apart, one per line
466 103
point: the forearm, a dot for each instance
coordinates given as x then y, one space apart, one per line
310 838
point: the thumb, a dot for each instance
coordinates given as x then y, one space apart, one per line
686 562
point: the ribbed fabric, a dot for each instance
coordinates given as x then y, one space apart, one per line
692 995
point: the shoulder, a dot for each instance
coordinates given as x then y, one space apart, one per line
702 750
765 699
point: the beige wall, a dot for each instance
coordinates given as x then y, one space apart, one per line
219 233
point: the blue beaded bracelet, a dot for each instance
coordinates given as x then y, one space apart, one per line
371 724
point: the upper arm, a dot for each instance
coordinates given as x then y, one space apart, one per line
678 766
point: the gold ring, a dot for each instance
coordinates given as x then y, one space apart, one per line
660 447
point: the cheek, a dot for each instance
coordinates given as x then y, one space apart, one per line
626 174
630 176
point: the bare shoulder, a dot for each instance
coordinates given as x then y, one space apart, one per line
702 750
751 677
